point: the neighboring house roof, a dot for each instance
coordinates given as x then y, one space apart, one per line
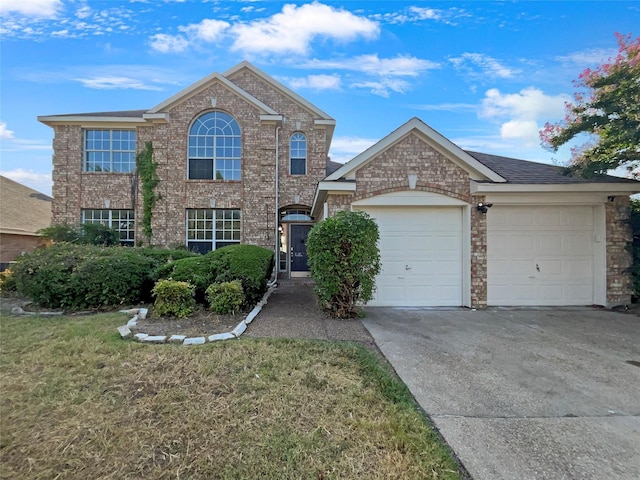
514 171
23 211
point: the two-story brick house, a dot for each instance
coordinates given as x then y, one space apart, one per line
239 156
242 158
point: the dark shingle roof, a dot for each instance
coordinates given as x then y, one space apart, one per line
332 166
524 171
122 113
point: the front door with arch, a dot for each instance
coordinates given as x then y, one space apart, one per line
298 249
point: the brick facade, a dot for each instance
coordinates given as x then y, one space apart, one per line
254 195
619 287
418 151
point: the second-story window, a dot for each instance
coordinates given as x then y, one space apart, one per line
298 153
215 148
109 151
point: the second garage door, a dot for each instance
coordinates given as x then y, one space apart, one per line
421 254
541 255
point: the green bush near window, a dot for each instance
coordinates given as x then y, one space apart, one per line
344 260
225 297
250 264
173 298
82 234
83 276
7 281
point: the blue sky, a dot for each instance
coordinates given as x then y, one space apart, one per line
487 75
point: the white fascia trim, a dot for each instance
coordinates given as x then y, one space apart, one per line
156 117
340 187
324 122
436 138
278 86
84 119
277 119
324 189
608 188
200 84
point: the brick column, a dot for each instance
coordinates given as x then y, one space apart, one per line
478 254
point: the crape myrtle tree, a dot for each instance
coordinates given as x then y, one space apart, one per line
607 107
344 260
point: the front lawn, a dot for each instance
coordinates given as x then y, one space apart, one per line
78 402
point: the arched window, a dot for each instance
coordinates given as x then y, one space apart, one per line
215 148
298 153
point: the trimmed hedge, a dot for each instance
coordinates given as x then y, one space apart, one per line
83 276
67 275
225 297
250 264
174 298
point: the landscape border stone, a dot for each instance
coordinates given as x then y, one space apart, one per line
141 314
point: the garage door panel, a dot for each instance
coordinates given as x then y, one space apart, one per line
548 261
421 256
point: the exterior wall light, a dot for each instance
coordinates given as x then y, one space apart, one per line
483 207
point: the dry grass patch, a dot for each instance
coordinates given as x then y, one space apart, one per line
78 402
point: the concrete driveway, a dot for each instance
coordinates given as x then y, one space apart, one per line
523 394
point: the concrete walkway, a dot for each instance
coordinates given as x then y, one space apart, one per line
523 394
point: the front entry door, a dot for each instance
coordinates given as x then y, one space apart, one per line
299 249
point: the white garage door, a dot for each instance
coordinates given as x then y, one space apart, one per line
421 255
540 255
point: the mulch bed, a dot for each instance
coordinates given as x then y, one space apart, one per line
201 323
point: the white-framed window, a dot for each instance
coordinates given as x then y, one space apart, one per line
123 221
208 229
215 148
298 154
109 151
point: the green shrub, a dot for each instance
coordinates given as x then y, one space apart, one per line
163 256
83 234
84 276
250 264
197 270
344 260
226 297
7 281
123 277
174 298
45 275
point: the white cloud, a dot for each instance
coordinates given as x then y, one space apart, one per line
316 82
402 65
446 107
589 57
208 30
164 43
116 83
383 87
519 113
5 133
481 65
41 182
415 14
295 28
344 149
31 8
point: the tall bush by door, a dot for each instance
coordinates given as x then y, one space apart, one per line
344 260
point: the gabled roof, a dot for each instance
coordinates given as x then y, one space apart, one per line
244 65
518 171
23 210
435 139
204 83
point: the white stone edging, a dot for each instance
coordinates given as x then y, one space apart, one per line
141 314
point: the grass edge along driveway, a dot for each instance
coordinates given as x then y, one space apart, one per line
79 402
